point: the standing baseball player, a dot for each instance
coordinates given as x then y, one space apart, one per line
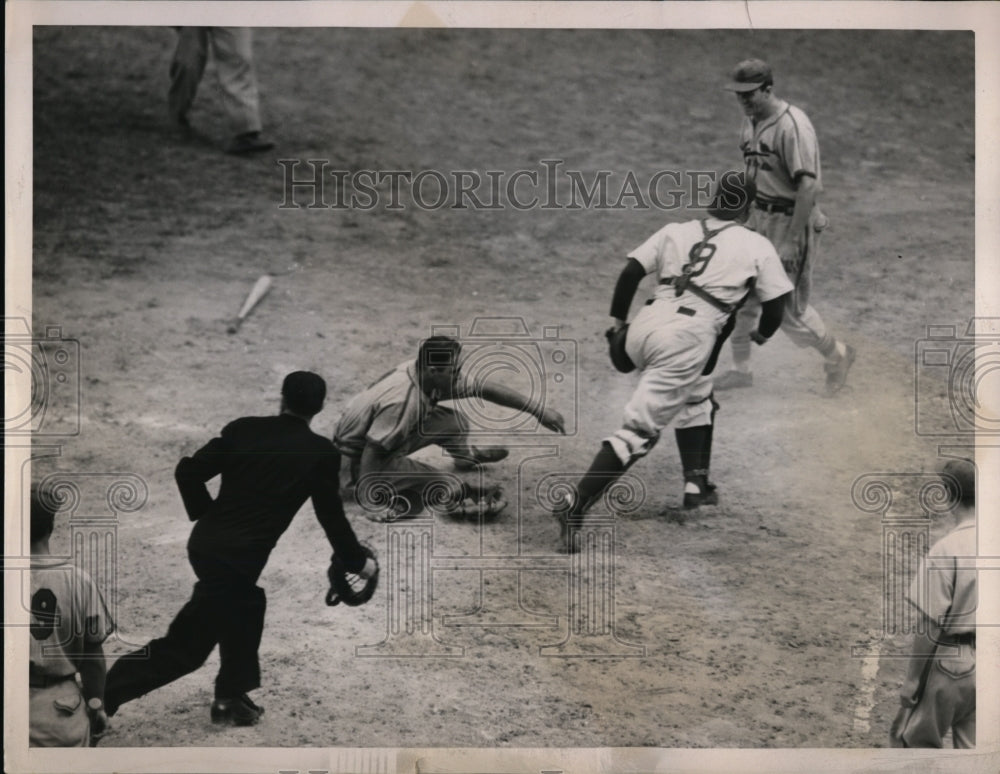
269 467
705 269
232 49
402 413
69 623
781 152
939 692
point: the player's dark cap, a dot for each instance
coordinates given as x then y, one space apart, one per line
733 194
439 351
304 392
959 476
750 75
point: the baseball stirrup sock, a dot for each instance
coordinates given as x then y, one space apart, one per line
694 445
604 471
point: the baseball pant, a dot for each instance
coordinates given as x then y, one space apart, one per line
671 348
57 716
697 409
801 322
947 703
232 49
226 609
443 426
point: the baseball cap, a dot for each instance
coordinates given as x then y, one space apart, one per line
304 392
733 193
960 474
750 74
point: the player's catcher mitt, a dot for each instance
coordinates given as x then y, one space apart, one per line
616 349
349 587
486 508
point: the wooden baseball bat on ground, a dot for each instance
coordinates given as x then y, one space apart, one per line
257 292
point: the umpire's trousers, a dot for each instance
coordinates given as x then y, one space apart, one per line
226 609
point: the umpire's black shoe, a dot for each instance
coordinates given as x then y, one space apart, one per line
240 711
247 143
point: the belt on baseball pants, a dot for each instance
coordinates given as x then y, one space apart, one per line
965 638
704 295
46 681
680 310
785 208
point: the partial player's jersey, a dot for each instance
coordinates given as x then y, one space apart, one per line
387 413
778 150
942 590
67 611
740 257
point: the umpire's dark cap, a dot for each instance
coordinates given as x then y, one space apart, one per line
959 475
304 392
750 75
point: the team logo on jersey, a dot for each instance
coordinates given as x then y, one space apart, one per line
757 159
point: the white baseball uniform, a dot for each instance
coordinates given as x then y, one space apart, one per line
67 611
672 337
778 151
947 594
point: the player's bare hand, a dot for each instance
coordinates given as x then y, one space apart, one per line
370 568
98 725
788 252
898 724
553 420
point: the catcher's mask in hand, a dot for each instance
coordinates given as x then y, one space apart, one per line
349 587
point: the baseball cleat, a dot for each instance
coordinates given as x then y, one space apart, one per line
247 143
240 711
397 510
734 380
836 372
569 523
487 509
696 499
481 456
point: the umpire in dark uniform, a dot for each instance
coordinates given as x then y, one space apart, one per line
269 466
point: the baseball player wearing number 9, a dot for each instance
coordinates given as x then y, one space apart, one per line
781 153
705 268
69 623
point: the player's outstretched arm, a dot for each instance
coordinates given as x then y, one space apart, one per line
508 397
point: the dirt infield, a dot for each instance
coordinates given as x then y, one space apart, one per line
732 627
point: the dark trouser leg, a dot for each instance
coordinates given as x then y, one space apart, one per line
186 69
187 644
603 472
238 605
241 626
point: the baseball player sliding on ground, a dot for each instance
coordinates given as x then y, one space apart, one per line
782 157
705 269
401 413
